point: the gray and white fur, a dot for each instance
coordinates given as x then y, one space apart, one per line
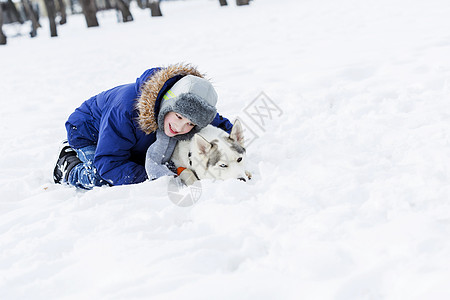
213 154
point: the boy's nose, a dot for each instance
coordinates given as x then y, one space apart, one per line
178 127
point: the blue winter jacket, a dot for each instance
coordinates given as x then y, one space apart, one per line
121 122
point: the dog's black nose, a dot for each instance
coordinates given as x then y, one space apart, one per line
243 179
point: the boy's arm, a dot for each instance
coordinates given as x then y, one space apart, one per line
222 123
158 155
116 139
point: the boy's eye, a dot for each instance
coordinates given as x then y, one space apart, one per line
179 117
192 125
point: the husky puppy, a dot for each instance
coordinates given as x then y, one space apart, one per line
212 154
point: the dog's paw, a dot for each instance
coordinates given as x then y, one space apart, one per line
188 177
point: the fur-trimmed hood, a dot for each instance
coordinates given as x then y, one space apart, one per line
154 88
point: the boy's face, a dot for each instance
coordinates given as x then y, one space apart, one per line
175 124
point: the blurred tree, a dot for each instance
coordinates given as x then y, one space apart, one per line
2 35
152 4
141 3
73 7
10 8
51 14
62 12
242 2
124 8
89 11
155 8
223 2
32 15
108 5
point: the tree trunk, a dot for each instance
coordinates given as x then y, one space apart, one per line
51 13
72 7
62 12
154 7
108 5
14 11
223 2
32 16
89 11
2 35
242 2
141 4
125 10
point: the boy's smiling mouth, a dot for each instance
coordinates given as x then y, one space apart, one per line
171 130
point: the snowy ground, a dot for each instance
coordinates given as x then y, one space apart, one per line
350 198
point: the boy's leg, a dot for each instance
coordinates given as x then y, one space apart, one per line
85 175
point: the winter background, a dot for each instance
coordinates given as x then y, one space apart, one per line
350 195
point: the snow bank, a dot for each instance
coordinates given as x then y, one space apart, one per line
350 192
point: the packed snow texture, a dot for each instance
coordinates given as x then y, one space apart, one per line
350 195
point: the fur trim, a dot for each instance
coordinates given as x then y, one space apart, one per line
145 105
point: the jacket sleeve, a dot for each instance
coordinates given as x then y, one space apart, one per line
112 157
222 123
158 155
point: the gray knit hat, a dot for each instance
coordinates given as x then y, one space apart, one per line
194 98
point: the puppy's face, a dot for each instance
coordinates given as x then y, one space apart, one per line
222 158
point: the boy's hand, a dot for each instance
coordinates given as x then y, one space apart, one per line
187 176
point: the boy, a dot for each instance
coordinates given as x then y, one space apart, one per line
109 134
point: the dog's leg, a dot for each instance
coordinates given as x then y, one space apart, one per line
188 177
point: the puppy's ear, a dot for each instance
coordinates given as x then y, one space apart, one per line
237 132
202 144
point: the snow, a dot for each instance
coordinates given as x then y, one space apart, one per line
350 193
